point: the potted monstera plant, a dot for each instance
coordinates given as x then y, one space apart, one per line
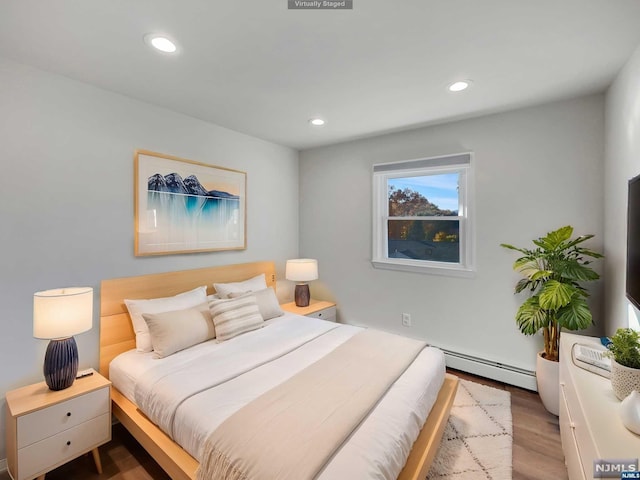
553 273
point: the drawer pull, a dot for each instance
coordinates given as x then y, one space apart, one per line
572 425
68 414
68 442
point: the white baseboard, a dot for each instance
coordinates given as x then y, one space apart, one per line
3 465
488 369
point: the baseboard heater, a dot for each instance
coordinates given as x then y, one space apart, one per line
489 369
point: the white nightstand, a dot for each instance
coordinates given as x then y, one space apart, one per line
46 428
316 309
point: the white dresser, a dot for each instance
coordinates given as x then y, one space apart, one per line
590 424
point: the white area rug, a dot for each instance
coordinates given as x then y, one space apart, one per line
478 439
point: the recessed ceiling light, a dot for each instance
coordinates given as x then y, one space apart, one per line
161 43
318 122
459 86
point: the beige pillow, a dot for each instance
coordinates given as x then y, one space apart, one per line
252 285
235 316
136 308
267 302
174 331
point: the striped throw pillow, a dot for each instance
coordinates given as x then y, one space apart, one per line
235 316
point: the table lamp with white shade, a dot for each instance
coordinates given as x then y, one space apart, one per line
301 271
57 316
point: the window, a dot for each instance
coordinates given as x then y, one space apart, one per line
422 215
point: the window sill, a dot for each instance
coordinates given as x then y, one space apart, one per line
429 269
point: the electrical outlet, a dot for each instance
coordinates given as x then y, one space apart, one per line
406 319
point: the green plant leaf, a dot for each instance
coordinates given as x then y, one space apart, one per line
573 270
531 317
589 253
541 275
524 261
526 267
511 247
553 240
557 237
576 241
522 284
576 315
555 295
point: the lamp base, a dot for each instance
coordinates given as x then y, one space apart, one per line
61 363
302 295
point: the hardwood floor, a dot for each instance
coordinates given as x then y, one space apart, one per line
537 451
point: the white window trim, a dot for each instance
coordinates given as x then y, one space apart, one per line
461 163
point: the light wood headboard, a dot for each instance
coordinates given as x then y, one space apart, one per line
116 332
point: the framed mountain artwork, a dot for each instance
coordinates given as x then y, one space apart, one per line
182 206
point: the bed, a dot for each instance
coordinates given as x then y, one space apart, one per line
117 337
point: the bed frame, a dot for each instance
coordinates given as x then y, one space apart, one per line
117 336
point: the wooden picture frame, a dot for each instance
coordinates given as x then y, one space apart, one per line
182 206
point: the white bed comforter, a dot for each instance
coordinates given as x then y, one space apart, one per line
189 394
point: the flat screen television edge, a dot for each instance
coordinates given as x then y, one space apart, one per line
632 289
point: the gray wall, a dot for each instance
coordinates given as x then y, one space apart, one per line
622 162
536 169
66 200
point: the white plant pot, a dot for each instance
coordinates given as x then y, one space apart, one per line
547 378
624 379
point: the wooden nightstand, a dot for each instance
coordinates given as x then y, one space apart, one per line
316 309
46 429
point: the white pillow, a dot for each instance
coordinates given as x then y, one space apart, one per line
136 308
267 302
235 316
179 329
252 285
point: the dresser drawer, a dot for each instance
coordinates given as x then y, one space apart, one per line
49 421
577 423
58 449
572 458
326 314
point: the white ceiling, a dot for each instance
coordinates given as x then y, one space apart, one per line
256 67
